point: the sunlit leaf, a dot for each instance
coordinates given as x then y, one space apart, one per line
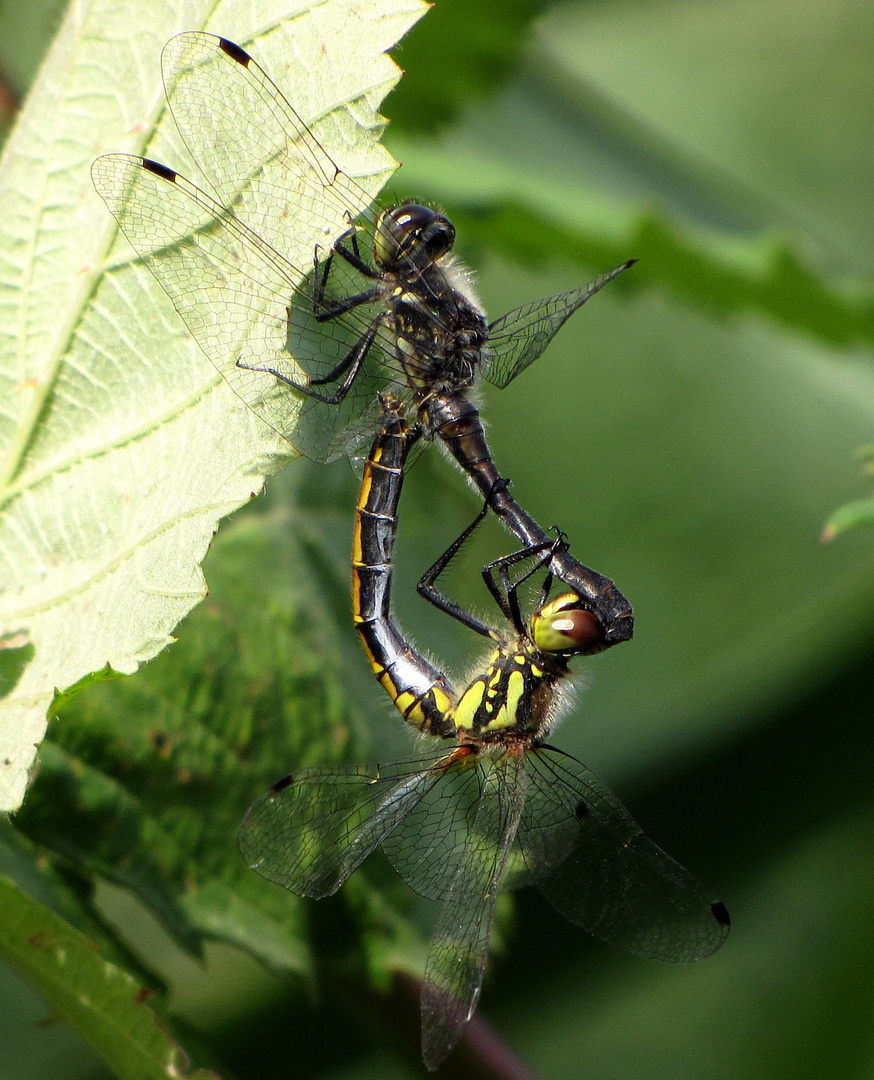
120 449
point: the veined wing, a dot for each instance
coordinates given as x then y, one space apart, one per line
429 844
258 154
518 338
264 161
250 308
459 949
592 862
247 306
313 829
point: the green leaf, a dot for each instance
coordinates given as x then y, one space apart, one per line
857 513
467 51
120 448
63 696
144 782
16 652
103 1003
850 516
501 207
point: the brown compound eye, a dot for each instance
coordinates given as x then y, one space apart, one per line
562 627
581 628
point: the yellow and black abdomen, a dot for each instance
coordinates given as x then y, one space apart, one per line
419 690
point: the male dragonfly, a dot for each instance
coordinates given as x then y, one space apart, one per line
494 805
308 305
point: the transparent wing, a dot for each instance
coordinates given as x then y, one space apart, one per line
257 153
428 845
249 308
266 164
252 309
459 949
592 862
518 338
311 831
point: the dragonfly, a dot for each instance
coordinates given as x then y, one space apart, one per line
492 804
311 302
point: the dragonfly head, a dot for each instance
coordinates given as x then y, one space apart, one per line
411 235
565 627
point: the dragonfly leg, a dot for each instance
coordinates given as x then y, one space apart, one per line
427 588
351 362
350 254
456 421
340 307
353 256
505 594
505 591
349 367
322 272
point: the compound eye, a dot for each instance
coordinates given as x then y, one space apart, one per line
572 629
412 234
439 237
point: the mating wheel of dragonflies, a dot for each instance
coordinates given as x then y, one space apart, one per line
492 805
310 303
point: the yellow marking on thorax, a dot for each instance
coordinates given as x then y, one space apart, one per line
470 702
506 716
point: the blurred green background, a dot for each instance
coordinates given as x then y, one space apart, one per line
691 430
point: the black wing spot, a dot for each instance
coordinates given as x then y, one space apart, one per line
159 170
282 784
581 811
234 51
720 913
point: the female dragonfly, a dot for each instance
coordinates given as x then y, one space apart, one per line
492 804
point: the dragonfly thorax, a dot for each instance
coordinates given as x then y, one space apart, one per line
517 694
437 322
441 333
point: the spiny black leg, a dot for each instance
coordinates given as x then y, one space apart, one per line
353 256
351 362
506 593
350 365
322 272
340 307
427 589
